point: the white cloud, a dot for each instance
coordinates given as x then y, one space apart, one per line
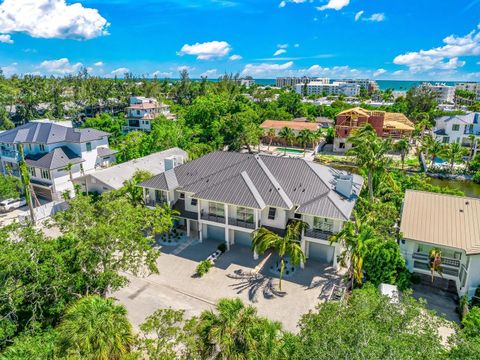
207 50
378 17
6 39
120 72
162 74
265 70
296 45
358 15
235 57
210 73
282 4
51 19
99 64
282 46
59 67
279 52
185 67
445 57
9 70
379 72
334 5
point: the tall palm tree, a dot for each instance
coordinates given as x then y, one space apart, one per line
287 245
304 138
473 144
318 136
433 148
435 256
355 238
270 135
370 152
288 136
403 146
454 153
95 328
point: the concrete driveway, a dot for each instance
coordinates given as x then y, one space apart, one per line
233 276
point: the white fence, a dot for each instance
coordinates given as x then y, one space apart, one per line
46 210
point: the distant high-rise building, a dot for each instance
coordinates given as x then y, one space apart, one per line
470 86
323 87
291 81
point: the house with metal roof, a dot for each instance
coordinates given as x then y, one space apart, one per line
142 111
225 196
446 222
458 128
54 154
114 177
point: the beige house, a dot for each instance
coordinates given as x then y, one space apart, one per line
449 223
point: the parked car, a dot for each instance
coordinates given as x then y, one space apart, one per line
11 204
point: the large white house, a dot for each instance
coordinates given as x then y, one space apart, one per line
50 149
446 222
142 111
225 196
458 128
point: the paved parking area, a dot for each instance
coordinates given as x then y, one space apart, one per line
233 276
7 218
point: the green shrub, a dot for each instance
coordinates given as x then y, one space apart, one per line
203 268
476 177
222 247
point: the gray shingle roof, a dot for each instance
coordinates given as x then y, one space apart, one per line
104 151
56 159
258 181
49 133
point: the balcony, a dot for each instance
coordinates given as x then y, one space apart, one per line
213 217
318 234
13 154
241 223
154 203
449 266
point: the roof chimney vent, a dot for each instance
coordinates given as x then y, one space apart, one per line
344 185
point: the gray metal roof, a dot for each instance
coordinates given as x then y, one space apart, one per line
258 181
466 118
104 151
49 133
56 159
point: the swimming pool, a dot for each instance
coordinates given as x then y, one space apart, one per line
288 150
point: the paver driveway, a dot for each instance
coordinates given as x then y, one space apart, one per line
233 276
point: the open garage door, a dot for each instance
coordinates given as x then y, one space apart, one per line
216 233
242 238
321 253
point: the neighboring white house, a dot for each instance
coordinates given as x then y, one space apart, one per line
457 128
113 178
449 223
142 111
323 87
50 149
225 196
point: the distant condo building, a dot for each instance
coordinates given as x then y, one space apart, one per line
291 81
324 87
370 85
470 86
142 111
443 93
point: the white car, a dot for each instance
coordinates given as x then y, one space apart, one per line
11 204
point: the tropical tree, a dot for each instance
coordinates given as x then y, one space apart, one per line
288 136
403 146
370 153
433 148
454 153
287 245
305 137
435 256
95 328
356 236
270 133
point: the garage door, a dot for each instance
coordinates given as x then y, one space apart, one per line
243 238
43 193
216 233
321 253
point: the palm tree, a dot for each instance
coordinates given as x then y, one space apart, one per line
355 238
305 137
433 148
454 153
287 245
95 328
403 146
473 144
288 136
318 136
435 256
370 152
270 135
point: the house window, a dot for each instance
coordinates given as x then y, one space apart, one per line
323 224
271 213
445 140
297 216
455 127
216 209
160 196
182 195
194 202
341 145
31 171
42 147
45 174
88 145
245 214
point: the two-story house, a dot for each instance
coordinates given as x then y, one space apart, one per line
54 154
225 196
142 111
458 128
450 224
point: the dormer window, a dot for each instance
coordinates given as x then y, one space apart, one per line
271 213
88 145
42 147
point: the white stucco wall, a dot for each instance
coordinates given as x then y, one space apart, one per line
280 220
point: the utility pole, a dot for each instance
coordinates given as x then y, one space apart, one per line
25 177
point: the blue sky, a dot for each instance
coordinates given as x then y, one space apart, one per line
383 39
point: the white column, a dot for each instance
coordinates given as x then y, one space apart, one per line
188 227
200 232
256 216
337 248
303 244
227 230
